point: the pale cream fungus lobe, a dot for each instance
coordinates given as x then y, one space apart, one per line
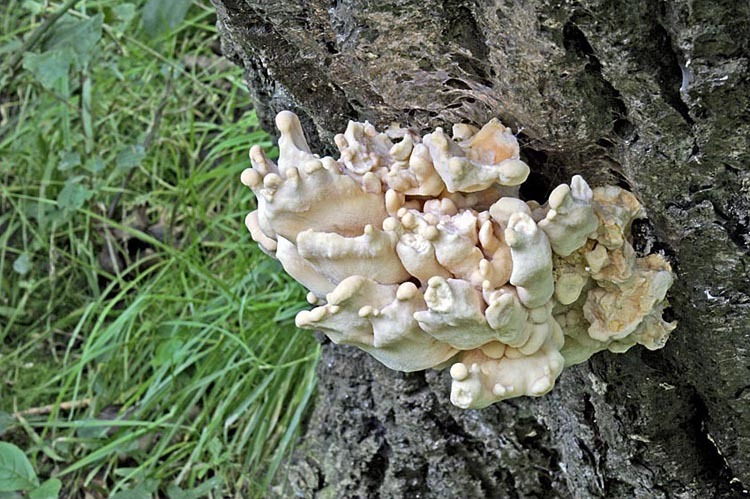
419 251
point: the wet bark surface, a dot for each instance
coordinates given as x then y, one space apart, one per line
651 96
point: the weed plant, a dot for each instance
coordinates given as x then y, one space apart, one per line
147 347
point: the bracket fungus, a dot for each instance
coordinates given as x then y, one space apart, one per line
419 251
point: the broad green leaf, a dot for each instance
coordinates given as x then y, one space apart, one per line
130 157
68 160
161 16
175 492
11 46
125 12
16 472
49 68
78 35
136 493
74 194
48 490
22 264
167 352
33 7
94 165
6 420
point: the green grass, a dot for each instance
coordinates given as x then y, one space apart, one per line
146 344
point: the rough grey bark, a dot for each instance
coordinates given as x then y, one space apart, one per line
652 96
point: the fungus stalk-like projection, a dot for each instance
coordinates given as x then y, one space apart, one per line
419 251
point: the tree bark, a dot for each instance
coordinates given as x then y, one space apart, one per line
651 96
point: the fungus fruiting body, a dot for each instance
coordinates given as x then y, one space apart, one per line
419 251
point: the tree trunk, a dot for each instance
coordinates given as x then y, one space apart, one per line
651 96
